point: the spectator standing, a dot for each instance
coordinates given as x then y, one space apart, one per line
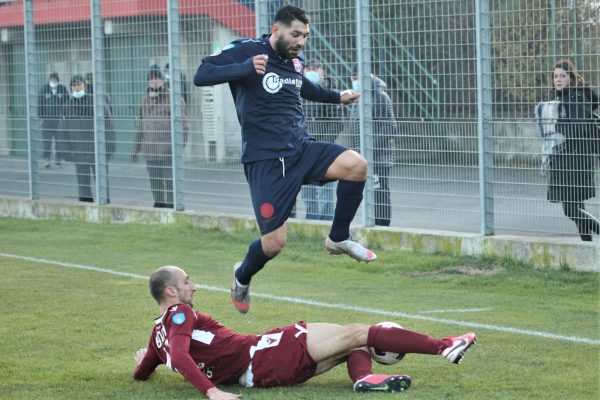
153 137
384 129
51 100
78 127
323 121
572 163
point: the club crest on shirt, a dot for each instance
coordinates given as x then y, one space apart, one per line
178 318
297 65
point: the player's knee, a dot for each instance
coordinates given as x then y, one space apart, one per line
273 246
358 334
359 167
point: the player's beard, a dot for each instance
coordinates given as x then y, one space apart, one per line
282 47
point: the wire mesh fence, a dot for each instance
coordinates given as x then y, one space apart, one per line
98 105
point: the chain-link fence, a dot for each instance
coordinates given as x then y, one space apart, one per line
446 117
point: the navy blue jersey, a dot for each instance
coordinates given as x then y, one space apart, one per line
269 107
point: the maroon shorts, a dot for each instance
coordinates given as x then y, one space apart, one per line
280 358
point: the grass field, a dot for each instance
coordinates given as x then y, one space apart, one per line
70 331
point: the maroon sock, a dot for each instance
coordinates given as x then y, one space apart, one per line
359 364
403 341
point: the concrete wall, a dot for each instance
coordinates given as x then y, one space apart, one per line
546 253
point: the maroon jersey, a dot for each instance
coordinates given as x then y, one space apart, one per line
218 353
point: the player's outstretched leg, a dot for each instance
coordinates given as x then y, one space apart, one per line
240 294
460 344
382 383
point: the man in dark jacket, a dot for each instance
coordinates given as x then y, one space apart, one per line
384 131
78 126
50 104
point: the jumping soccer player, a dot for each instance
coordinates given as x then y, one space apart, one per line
266 79
207 354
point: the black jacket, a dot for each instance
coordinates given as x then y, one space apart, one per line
384 124
572 166
50 104
78 127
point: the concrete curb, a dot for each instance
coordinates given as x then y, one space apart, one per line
568 253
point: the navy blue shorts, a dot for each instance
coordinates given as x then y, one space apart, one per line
274 183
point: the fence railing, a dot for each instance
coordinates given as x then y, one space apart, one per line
463 78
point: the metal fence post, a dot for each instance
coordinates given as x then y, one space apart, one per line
30 67
99 102
177 139
365 105
261 9
484 117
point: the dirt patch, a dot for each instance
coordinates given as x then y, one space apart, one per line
461 270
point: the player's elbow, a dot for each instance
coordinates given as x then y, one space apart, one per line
140 375
198 79
202 73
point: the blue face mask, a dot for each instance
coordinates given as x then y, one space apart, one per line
356 86
313 76
79 94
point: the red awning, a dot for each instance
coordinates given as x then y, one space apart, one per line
228 13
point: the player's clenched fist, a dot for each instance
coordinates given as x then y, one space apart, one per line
260 63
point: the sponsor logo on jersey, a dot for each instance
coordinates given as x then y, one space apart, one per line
273 83
178 318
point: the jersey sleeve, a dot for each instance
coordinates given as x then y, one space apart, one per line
232 63
180 321
148 365
182 362
313 92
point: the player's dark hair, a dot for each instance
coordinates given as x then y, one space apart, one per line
159 280
287 14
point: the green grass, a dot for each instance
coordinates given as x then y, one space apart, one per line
71 334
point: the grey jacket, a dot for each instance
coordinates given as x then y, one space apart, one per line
153 137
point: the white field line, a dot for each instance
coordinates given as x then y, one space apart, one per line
347 307
457 310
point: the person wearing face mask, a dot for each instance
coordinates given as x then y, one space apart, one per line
78 127
323 124
153 137
572 163
267 81
384 128
51 100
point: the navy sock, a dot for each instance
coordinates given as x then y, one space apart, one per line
253 262
349 196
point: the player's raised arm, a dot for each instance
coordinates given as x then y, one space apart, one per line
209 74
313 92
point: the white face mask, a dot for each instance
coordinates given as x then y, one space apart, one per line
356 86
313 76
79 94
167 77
53 84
